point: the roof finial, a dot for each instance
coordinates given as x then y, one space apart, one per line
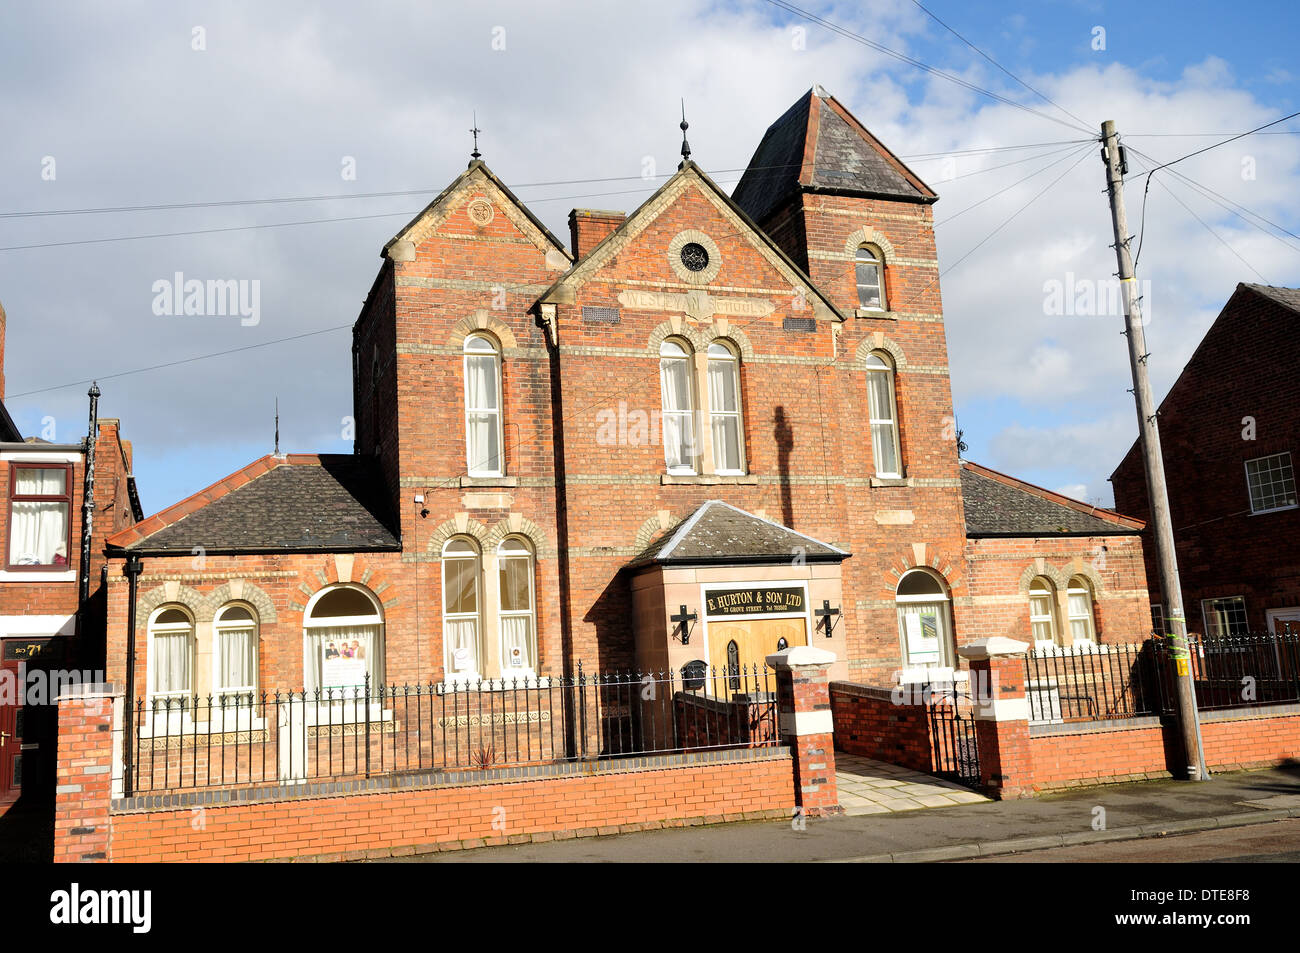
277 426
476 130
686 146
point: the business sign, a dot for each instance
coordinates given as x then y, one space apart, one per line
752 600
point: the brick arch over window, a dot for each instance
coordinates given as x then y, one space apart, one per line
482 320
923 556
241 591
173 591
659 523
459 525
1086 571
736 336
1039 567
677 327
876 341
517 525
869 236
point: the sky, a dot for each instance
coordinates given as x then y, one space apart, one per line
143 104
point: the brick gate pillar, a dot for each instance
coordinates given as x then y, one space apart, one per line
803 704
84 774
1001 711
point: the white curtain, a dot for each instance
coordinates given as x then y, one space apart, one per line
678 434
481 401
461 637
318 640
724 405
880 404
1080 616
171 663
517 642
39 529
237 658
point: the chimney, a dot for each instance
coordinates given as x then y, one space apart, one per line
589 226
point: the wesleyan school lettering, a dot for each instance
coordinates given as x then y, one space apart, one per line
752 601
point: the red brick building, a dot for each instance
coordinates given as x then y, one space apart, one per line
707 428
1229 429
45 622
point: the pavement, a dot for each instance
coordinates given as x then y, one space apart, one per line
867 786
1135 811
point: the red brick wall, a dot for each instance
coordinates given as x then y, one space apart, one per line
1244 367
85 757
1001 569
869 723
405 822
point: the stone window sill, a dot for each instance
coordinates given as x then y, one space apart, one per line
504 481
873 313
709 479
891 481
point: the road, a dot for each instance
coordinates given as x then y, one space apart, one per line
1274 843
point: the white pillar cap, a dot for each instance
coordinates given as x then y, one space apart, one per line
995 646
800 655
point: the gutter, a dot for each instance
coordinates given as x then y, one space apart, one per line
88 501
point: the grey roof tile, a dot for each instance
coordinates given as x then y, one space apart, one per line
994 508
720 532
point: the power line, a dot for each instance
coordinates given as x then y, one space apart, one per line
911 61
249 347
936 19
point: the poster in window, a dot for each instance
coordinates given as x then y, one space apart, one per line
923 638
343 664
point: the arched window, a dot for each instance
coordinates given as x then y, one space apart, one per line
724 409
869 269
461 569
343 640
882 409
733 665
483 433
1042 612
924 623
171 654
518 622
678 424
234 669
1082 629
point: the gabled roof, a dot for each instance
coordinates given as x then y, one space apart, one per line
718 532
477 174
689 173
1288 298
293 503
1000 505
819 146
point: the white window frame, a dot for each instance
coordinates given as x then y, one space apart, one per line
170 628
343 710
872 254
729 357
1076 586
1205 614
1250 489
472 553
885 365
945 669
1042 588
687 357
221 625
497 413
514 548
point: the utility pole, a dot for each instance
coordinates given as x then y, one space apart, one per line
1149 433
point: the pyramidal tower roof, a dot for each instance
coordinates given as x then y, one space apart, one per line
819 146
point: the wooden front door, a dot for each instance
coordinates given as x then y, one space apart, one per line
746 644
10 731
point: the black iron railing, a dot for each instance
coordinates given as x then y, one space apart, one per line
1126 680
186 742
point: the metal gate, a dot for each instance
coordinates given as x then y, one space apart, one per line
953 746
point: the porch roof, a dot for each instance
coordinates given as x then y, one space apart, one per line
718 532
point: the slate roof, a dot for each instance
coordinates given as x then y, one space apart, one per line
1287 297
1000 505
817 145
299 503
718 532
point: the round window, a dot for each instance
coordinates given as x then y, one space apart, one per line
695 256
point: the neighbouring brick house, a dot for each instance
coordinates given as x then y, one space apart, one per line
44 621
1229 433
708 428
